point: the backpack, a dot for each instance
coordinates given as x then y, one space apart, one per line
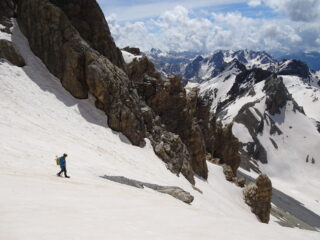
58 160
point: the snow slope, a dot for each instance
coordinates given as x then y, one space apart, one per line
306 95
129 57
287 153
40 119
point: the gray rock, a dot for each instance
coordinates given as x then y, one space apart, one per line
9 52
175 192
228 173
258 196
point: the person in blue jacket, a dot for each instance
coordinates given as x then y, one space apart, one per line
63 166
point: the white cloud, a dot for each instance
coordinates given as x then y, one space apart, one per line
147 9
296 10
179 30
254 3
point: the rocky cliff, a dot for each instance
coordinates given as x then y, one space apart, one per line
7 49
181 113
72 38
86 67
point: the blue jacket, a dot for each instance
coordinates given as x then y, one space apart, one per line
62 162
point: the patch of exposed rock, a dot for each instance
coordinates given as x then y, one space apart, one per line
226 146
175 192
133 50
258 196
295 68
7 49
7 11
227 170
9 52
245 78
277 94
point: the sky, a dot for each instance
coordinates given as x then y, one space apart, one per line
277 26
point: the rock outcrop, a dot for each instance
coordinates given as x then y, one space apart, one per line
7 49
87 17
295 68
133 50
81 69
226 146
9 52
258 196
277 94
179 112
7 11
228 173
84 68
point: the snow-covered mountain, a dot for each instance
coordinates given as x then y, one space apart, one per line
311 58
40 118
276 117
141 148
197 67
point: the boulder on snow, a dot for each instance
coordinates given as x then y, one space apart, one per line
175 192
240 182
258 196
228 173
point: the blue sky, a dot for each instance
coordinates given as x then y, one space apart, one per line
207 25
133 10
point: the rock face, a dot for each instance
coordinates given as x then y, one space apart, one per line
226 147
258 196
83 69
179 112
7 11
277 94
294 68
73 40
87 17
246 77
132 50
8 51
228 173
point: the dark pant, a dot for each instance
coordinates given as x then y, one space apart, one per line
63 170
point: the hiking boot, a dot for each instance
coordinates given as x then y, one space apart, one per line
67 177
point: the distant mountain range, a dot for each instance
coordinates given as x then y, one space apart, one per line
197 67
310 58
